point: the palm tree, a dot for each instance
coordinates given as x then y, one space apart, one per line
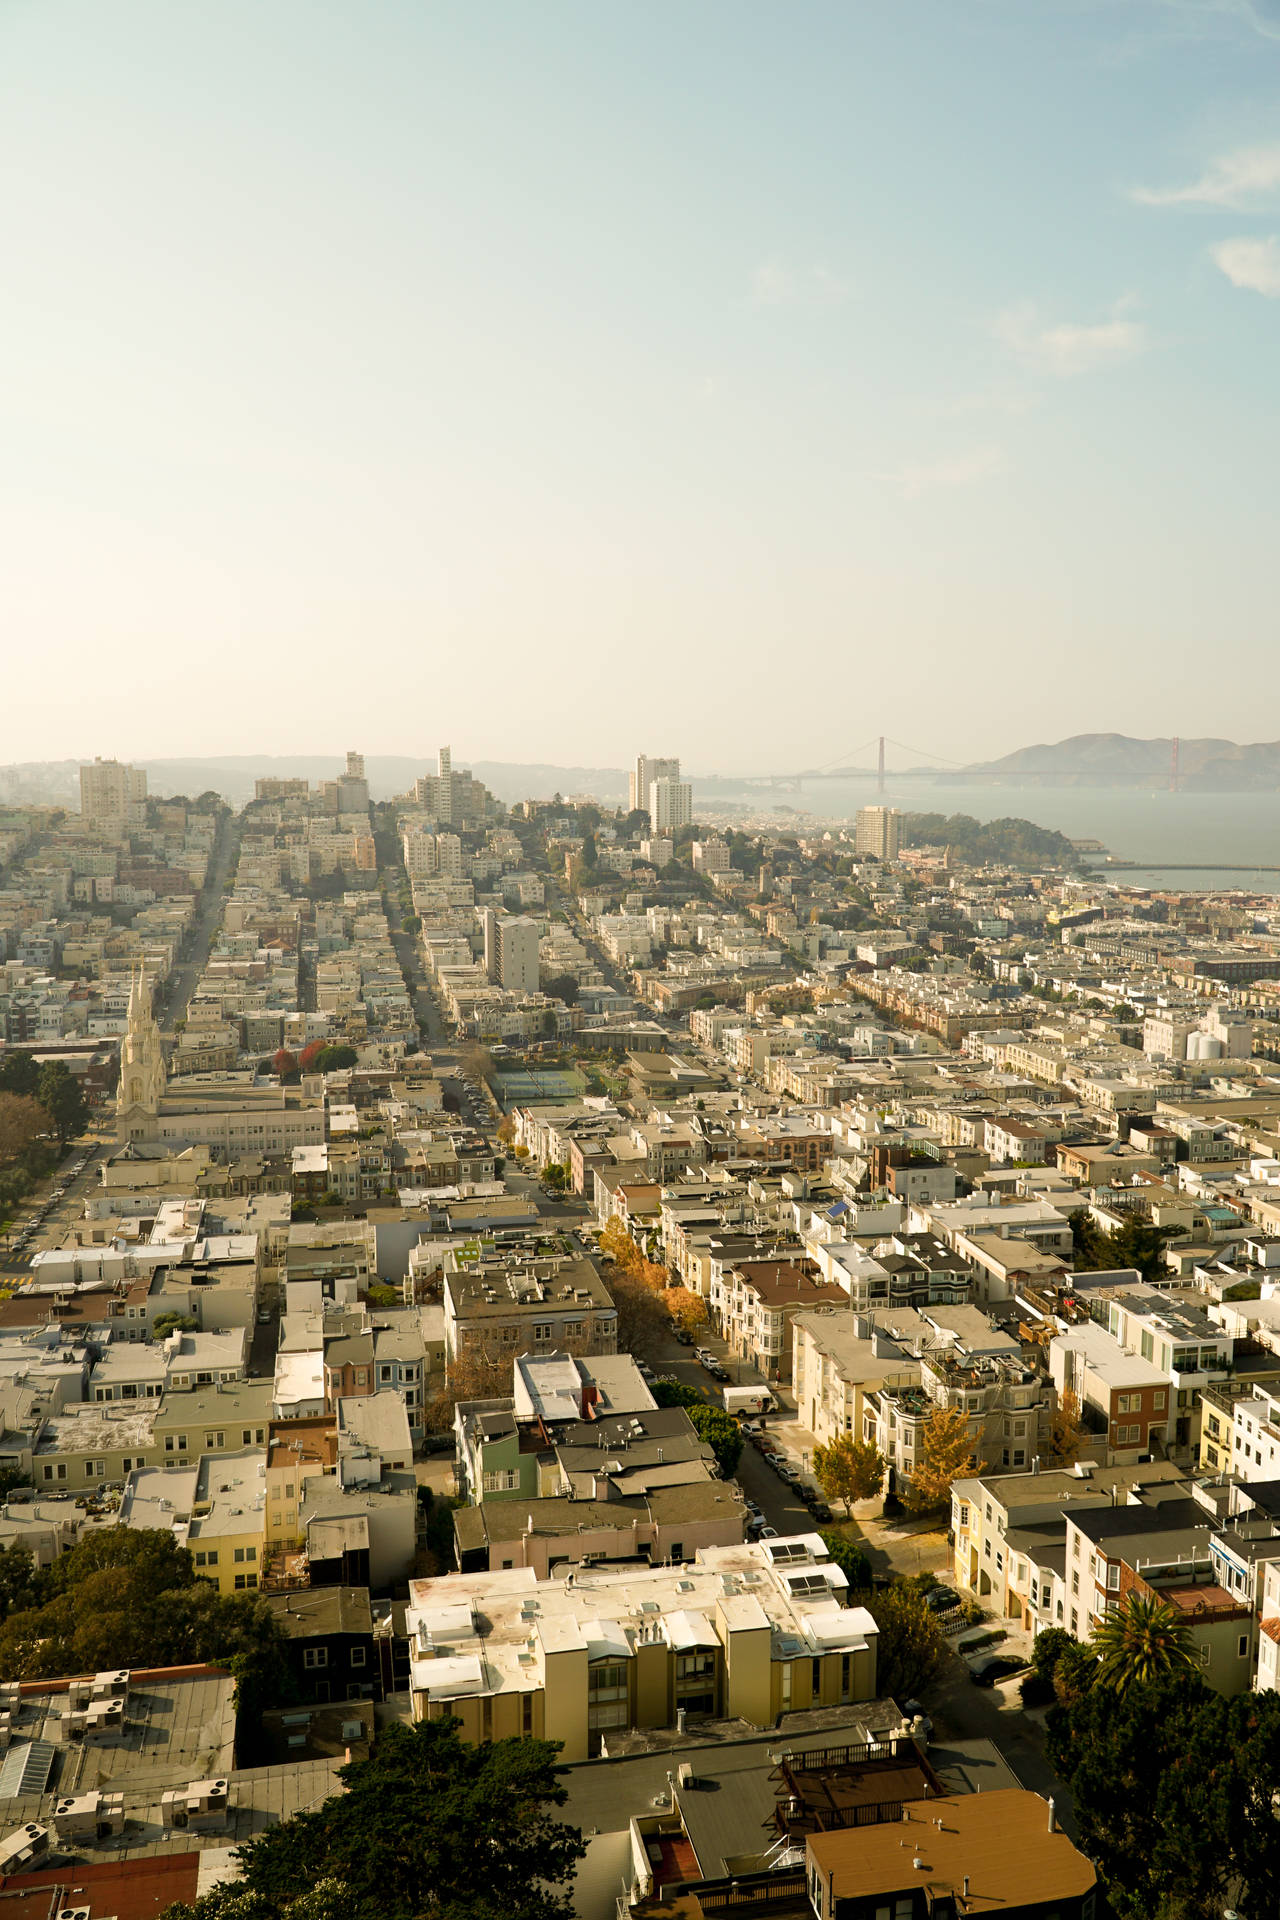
1141 1642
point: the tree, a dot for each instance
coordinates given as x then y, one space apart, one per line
688 1310
166 1323
410 923
911 1649
946 1454
848 1469
851 1560
1172 1787
1067 1437
555 1176
643 1321
62 1097
335 1059
427 1826
19 1073
722 1434
1141 1642
560 986
284 1063
22 1121
310 1054
1134 1243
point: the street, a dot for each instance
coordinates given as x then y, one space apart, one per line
175 995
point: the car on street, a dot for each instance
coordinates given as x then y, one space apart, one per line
987 1668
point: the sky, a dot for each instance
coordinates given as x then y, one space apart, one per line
568 381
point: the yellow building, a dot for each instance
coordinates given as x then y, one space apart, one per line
743 1632
227 1534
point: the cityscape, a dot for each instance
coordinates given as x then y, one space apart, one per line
726 1307
640 960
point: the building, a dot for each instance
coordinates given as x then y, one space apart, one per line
495 1309
646 771
670 805
516 953
743 1632
330 1642
992 1853
113 796
878 831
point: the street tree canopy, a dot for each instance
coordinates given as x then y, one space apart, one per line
946 1454
848 1469
428 1828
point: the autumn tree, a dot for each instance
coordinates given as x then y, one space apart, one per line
946 1454
1067 1436
847 1469
22 1121
310 1054
643 1321
284 1063
688 1310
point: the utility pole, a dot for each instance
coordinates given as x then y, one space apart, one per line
880 768
1173 766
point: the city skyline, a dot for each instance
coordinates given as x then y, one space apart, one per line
535 353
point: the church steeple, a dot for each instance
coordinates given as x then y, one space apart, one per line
142 1072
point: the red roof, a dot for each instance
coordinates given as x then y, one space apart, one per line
138 1888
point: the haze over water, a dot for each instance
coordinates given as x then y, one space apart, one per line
1132 823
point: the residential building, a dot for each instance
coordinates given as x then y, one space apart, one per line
495 1309
517 954
113 796
330 1642
670 805
878 831
744 1632
648 769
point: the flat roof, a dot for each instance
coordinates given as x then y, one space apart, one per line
999 1845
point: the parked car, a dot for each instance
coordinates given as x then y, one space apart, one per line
990 1667
682 1336
821 1512
941 1599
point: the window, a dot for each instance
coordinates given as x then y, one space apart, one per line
215 1440
175 1443
1242 1646
95 1469
964 1513
502 1480
56 1472
207 1559
315 1656
359 1656
526 1713
1158 1403
384 1373
1113 1578
245 1580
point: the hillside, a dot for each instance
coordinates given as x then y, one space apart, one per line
1117 760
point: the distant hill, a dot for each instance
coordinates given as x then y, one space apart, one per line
1116 760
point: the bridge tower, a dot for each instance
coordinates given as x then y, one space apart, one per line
880 768
1173 766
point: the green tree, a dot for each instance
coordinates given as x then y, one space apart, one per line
19 1073
428 1828
851 1560
911 1649
1141 1642
62 1097
167 1323
1172 1787
848 1469
721 1433
335 1059
1135 1243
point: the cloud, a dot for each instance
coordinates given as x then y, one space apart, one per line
776 284
1064 348
960 470
1255 16
1238 179
1253 264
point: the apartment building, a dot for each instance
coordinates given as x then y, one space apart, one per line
878 831
1008 1532
835 1363
742 1632
754 1301
670 805
227 1528
1122 1396
495 1309
113 796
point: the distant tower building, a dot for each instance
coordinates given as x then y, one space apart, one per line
646 772
112 796
355 766
878 830
670 805
142 1073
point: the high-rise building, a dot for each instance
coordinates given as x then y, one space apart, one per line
670 805
112 795
454 799
878 830
518 954
646 772
355 766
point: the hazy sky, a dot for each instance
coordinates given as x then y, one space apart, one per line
564 380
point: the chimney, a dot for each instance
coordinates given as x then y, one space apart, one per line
966 1886
680 1716
1053 1818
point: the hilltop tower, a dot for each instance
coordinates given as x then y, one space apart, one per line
142 1072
